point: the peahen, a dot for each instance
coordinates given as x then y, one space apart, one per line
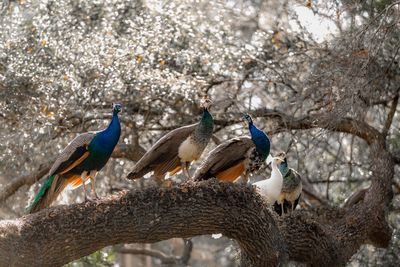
270 189
79 161
236 157
291 189
177 149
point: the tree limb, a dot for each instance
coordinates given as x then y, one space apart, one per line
390 115
164 258
58 235
18 182
323 121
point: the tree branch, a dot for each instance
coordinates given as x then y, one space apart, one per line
390 115
323 121
64 233
164 258
28 179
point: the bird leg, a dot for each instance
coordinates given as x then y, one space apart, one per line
245 178
283 211
185 169
159 179
92 177
83 179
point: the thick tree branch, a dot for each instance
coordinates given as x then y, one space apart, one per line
62 234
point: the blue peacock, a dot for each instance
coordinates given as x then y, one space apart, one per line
78 162
236 157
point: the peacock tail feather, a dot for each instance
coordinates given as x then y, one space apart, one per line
39 196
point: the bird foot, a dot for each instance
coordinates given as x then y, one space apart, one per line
89 199
167 183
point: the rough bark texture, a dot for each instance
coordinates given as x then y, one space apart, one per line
58 235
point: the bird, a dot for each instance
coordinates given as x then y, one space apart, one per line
291 189
177 149
270 189
239 156
79 162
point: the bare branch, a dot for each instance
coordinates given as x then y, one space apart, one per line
164 258
28 179
390 115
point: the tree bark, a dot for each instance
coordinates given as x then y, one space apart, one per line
58 235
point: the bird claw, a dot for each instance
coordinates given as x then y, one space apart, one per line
167 184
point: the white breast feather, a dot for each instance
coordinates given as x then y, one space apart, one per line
188 150
271 188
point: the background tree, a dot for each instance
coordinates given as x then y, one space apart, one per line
330 100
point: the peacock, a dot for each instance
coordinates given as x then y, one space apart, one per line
236 157
270 189
291 189
177 149
78 162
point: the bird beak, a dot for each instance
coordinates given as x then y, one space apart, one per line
280 159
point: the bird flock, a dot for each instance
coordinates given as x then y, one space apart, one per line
232 160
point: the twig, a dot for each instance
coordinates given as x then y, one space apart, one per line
390 115
164 258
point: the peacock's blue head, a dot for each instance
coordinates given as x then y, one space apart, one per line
283 166
247 117
259 138
117 108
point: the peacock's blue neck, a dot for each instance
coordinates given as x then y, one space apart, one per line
260 140
106 140
283 168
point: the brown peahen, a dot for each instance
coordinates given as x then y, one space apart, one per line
177 149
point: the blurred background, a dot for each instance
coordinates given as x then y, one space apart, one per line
63 64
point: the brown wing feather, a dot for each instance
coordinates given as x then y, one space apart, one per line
166 166
68 156
164 150
224 156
